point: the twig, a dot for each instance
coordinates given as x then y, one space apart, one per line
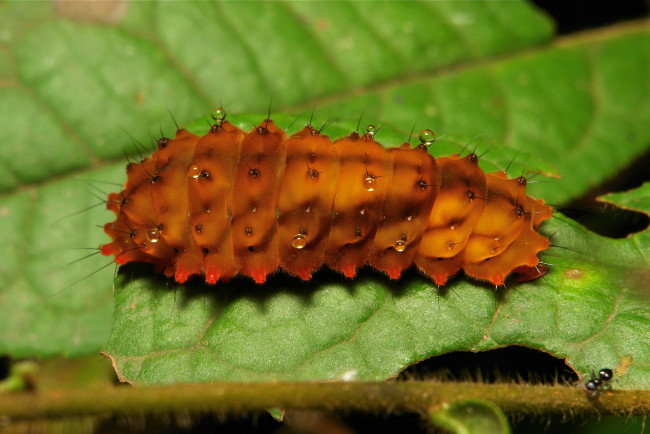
246 398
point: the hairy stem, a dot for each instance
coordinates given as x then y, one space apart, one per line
244 398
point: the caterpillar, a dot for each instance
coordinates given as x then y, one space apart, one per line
232 202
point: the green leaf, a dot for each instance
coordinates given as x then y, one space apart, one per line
636 200
471 416
588 312
277 414
42 311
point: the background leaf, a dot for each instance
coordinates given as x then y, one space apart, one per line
637 200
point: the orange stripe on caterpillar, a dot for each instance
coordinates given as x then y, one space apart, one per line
232 202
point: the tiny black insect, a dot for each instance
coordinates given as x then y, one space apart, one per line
596 384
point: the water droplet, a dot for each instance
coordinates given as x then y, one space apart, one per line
219 114
299 241
254 209
248 231
427 137
371 130
409 218
369 182
153 235
400 245
308 209
194 171
363 211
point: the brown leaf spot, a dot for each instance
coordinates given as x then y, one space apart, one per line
92 11
573 274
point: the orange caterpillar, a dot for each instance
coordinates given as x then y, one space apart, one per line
232 202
